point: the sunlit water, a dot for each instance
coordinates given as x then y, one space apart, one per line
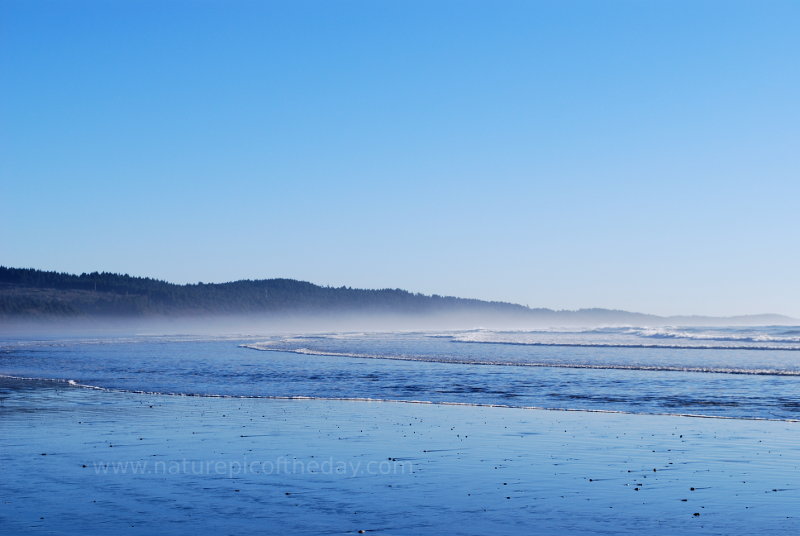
726 372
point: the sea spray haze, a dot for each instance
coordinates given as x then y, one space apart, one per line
52 302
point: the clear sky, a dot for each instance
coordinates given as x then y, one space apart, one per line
642 155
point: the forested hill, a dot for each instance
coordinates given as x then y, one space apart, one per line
30 292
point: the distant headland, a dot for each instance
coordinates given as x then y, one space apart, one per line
27 293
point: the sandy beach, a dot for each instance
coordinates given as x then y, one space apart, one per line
86 461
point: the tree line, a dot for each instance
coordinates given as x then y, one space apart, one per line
28 291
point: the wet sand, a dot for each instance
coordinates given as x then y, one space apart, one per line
83 461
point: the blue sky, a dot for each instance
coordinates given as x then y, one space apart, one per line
626 154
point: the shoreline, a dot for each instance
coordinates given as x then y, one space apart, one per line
475 469
76 384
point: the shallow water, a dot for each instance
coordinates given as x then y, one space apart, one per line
607 370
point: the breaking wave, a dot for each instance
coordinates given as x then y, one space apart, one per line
751 338
266 347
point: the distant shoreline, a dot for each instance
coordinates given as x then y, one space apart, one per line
40 297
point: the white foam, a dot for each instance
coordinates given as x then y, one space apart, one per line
600 366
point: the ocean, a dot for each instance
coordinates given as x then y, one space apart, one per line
730 372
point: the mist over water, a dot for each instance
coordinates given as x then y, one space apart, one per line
744 372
